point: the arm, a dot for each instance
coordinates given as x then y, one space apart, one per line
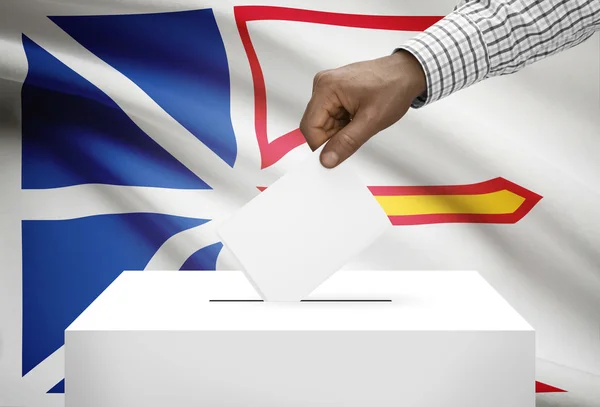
486 38
478 40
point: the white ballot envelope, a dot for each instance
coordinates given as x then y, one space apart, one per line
303 228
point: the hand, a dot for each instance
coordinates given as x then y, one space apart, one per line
351 104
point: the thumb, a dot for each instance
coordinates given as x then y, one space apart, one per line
346 141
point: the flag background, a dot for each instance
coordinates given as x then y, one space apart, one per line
127 134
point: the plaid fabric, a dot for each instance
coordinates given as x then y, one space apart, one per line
486 38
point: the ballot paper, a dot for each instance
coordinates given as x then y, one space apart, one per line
303 228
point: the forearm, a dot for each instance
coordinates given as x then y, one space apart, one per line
481 39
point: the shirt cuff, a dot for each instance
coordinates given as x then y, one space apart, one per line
453 55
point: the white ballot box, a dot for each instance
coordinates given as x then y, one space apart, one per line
363 338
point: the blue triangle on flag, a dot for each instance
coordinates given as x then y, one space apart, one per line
58 388
177 58
204 259
68 263
73 134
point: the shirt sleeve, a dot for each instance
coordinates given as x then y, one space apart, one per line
486 38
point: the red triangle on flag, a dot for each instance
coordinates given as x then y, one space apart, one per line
546 388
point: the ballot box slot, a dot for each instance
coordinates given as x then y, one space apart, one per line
346 301
324 300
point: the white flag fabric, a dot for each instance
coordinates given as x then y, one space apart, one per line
130 129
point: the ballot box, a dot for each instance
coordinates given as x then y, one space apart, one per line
363 338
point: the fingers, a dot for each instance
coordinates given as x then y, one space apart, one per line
311 125
349 139
326 118
316 115
317 78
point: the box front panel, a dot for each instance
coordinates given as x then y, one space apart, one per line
300 368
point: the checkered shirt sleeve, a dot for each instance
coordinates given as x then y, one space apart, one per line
486 38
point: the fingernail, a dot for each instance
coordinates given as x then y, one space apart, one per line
330 159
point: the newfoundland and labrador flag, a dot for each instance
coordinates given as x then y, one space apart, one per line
128 129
